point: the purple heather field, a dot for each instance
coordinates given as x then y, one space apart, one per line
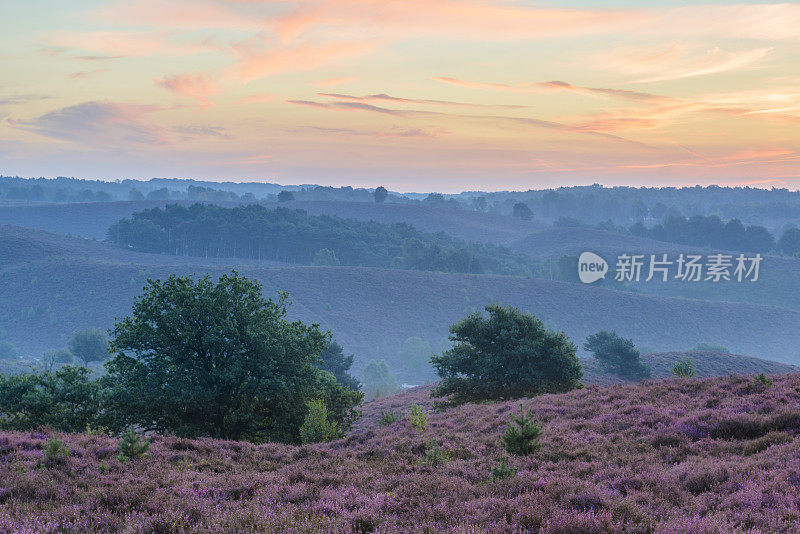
718 455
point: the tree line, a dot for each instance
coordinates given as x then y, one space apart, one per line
294 236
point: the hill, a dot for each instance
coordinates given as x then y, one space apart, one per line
705 363
571 241
370 311
678 456
92 219
777 284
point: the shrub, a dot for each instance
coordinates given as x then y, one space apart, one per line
418 417
67 400
55 452
503 471
131 446
762 380
617 355
388 418
435 455
317 425
684 368
509 355
521 436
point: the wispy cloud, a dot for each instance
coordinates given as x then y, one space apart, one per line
98 124
198 87
87 74
383 97
676 63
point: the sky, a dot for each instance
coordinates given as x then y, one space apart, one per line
416 95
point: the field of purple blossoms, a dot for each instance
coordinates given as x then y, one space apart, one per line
716 455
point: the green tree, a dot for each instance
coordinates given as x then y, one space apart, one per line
285 196
617 355
414 358
380 194
7 351
66 400
317 425
379 380
326 257
789 243
521 436
522 211
333 360
89 345
509 355
199 358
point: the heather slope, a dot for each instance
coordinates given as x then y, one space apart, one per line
712 456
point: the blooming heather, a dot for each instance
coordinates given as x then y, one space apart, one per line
669 457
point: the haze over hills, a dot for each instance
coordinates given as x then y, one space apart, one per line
54 285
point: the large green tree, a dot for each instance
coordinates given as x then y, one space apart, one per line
508 355
333 360
200 358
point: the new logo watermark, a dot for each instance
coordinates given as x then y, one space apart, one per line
684 267
591 267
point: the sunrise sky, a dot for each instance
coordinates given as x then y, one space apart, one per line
417 95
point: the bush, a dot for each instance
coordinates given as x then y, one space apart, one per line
617 355
67 400
684 368
435 455
521 436
507 356
317 425
131 446
418 417
388 418
762 380
502 471
55 452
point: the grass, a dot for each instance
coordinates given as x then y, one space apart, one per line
675 456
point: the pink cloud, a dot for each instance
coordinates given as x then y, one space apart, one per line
258 58
254 99
199 87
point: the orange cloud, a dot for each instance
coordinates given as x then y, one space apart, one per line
199 87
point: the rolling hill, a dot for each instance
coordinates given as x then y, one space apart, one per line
370 311
777 284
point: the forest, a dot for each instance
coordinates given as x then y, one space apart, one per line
294 236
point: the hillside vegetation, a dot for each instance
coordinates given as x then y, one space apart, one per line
370 311
678 456
294 236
